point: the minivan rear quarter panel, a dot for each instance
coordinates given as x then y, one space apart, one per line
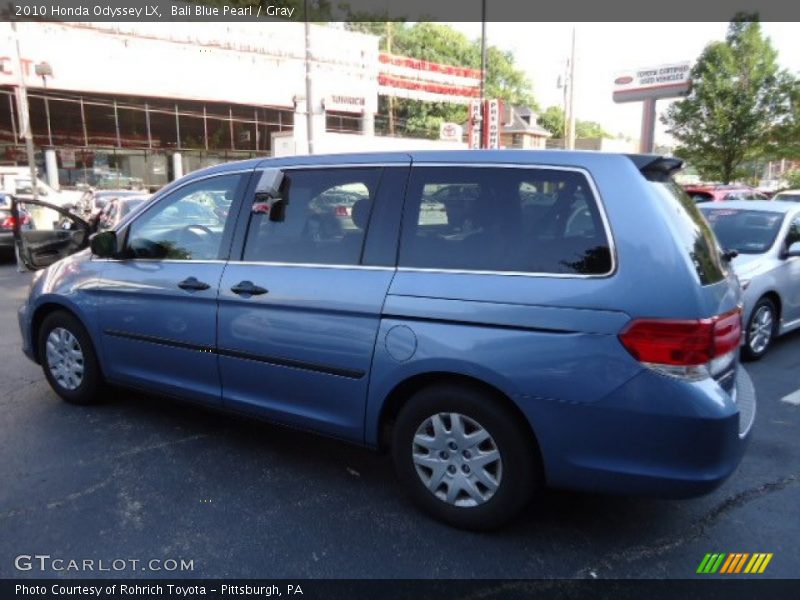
550 344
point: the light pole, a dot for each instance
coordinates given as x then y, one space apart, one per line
483 74
572 94
309 105
23 112
44 70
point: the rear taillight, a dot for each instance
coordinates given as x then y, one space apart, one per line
9 222
691 349
341 211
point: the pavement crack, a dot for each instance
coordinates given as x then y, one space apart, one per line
694 531
75 495
61 502
146 448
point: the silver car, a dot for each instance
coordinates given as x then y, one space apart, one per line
766 236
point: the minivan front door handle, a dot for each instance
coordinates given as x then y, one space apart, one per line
248 288
193 284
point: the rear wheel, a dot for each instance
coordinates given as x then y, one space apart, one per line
761 329
68 359
464 457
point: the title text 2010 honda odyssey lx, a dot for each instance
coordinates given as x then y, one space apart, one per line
501 320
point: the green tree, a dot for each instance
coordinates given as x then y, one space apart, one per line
590 129
738 99
552 119
439 43
793 179
786 135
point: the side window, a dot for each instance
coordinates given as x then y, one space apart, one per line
503 219
188 224
794 233
326 217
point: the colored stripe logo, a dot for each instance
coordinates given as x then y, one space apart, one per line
733 563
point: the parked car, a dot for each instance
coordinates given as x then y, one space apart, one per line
788 196
557 344
766 236
95 200
7 222
116 209
16 181
718 193
117 181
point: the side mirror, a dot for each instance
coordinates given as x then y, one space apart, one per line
104 244
793 250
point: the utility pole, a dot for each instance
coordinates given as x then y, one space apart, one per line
391 98
23 113
309 105
571 138
483 74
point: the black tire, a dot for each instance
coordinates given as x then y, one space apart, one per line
91 383
748 351
521 472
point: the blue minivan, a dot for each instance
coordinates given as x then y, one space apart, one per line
499 320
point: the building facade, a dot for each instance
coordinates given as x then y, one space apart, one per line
150 101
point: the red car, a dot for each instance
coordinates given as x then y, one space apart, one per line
719 193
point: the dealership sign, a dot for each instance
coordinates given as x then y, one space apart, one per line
475 117
346 104
485 121
451 132
663 81
492 124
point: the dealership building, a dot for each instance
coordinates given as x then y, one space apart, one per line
155 100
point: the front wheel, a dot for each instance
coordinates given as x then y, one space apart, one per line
68 359
464 457
761 329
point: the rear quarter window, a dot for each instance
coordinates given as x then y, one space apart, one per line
693 232
504 219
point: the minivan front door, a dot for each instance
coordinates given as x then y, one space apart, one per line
158 302
299 314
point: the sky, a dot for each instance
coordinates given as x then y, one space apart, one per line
603 50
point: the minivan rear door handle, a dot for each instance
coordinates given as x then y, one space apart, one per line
248 288
193 284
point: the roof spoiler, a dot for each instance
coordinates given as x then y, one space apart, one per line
655 167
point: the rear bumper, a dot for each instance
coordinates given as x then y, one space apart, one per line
654 436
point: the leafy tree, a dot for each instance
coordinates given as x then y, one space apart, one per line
590 129
552 119
785 140
739 98
793 179
439 43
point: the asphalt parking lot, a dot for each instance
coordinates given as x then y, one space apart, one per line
142 478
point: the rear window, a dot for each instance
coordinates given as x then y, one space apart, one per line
787 197
504 220
746 231
694 233
701 196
